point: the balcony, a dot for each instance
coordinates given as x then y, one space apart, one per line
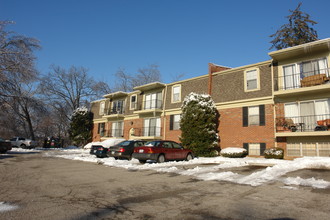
312 81
150 106
116 133
149 133
311 125
115 113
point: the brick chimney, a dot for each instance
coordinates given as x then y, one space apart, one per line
213 68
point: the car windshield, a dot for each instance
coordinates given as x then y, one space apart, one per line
124 143
153 144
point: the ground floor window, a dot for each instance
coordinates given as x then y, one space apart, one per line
101 129
308 148
117 129
151 127
255 149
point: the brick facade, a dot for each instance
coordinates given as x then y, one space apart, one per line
233 134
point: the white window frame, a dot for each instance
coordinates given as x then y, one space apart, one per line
151 100
174 99
146 124
117 125
254 149
122 109
102 108
176 122
250 115
246 79
133 105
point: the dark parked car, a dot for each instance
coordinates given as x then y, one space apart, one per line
4 146
125 149
162 151
99 151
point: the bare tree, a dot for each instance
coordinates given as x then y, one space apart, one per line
17 80
147 75
68 89
16 56
126 82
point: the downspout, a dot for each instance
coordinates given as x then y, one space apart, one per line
164 116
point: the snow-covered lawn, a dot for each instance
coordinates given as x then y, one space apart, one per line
217 168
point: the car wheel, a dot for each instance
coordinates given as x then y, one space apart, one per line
142 161
23 146
189 157
161 158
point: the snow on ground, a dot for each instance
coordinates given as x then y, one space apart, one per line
216 168
4 207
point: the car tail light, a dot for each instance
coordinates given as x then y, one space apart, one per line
150 151
100 148
122 150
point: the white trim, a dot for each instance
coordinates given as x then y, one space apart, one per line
172 94
257 78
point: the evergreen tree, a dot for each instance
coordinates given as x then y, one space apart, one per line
199 123
296 32
81 126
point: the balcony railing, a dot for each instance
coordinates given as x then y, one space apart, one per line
116 111
308 123
151 131
151 104
304 79
116 133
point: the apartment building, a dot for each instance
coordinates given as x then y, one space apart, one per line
281 102
302 98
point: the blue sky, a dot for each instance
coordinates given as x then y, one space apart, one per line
181 36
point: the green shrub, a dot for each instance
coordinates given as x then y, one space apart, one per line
234 152
274 153
199 123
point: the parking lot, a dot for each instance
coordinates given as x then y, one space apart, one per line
38 185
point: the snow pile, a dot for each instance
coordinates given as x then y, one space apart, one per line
233 150
312 182
7 207
107 143
218 168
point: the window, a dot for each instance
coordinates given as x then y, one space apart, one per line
151 127
175 122
117 129
102 108
133 104
251 80
176 93
101 129
255 149
291 79
117 107
254 115
314 67
153 100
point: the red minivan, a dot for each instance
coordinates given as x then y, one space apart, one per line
162 151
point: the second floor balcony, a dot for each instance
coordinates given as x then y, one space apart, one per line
154 105
309 123
115 113
291 80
